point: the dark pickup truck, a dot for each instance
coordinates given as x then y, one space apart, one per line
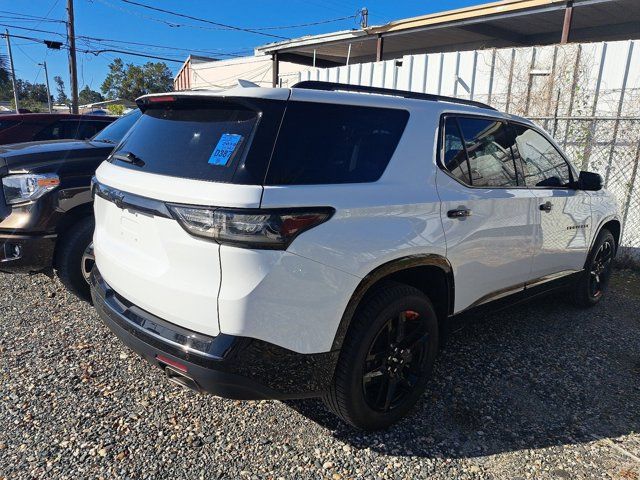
28 127
46 209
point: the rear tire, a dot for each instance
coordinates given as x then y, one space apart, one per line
71 262
594 280
386 358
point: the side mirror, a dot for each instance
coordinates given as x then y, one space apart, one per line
590 181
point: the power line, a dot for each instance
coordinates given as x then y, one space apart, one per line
95 51
127 42
229 27
30 29
33 39
31 17
310 24
46 17
257 29
136 54
26 20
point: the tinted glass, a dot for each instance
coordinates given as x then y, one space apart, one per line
115 131
328 144
200 143
87 129
488 144
455 158
71 128
542 164
4 124
54 131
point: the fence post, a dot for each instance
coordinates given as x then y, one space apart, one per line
530 81
509 84
572 96
473 75
551 87
616 126
586 156
491 74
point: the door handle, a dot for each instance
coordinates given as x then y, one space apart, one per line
546 207
459 213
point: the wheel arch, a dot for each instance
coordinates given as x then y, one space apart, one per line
70 218
430 273
615 228
612 224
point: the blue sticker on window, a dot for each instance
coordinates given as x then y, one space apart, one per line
225 149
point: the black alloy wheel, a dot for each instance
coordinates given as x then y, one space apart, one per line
386 357
395 361
600 270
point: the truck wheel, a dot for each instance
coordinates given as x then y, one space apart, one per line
386 358
74 257
594 280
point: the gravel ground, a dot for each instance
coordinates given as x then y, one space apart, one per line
537 391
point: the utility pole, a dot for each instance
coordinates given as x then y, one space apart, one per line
13 72
73 70
46 76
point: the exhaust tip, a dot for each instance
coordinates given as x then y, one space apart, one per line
179 378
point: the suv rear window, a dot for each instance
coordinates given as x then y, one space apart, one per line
198 143
326 143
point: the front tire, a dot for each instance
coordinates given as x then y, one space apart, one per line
386 358
74 258
594 281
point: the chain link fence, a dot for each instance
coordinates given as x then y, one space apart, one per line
609 146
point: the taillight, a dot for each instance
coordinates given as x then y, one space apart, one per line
249 228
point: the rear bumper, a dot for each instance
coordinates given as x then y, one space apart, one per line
26 253
224 365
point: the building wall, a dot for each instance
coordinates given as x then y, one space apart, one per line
225 73
183 79
586 95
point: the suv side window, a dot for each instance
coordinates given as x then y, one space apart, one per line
488 143
321 143
543 165
53 131
87 129
454 155
71 128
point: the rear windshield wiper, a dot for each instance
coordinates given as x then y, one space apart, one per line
129 157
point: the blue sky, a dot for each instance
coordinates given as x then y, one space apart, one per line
117 20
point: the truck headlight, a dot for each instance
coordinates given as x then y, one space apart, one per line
27 187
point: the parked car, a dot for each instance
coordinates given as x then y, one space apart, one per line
46 214
315 241
30 127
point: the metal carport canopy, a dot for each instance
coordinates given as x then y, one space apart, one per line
497 24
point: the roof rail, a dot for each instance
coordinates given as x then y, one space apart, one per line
335 87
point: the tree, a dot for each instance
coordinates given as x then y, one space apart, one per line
87 95
32 96
130 81
62 97
6 90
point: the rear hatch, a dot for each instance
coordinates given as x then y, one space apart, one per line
186 149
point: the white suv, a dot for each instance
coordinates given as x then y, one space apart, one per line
315 241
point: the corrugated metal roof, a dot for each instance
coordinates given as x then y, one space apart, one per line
496 24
